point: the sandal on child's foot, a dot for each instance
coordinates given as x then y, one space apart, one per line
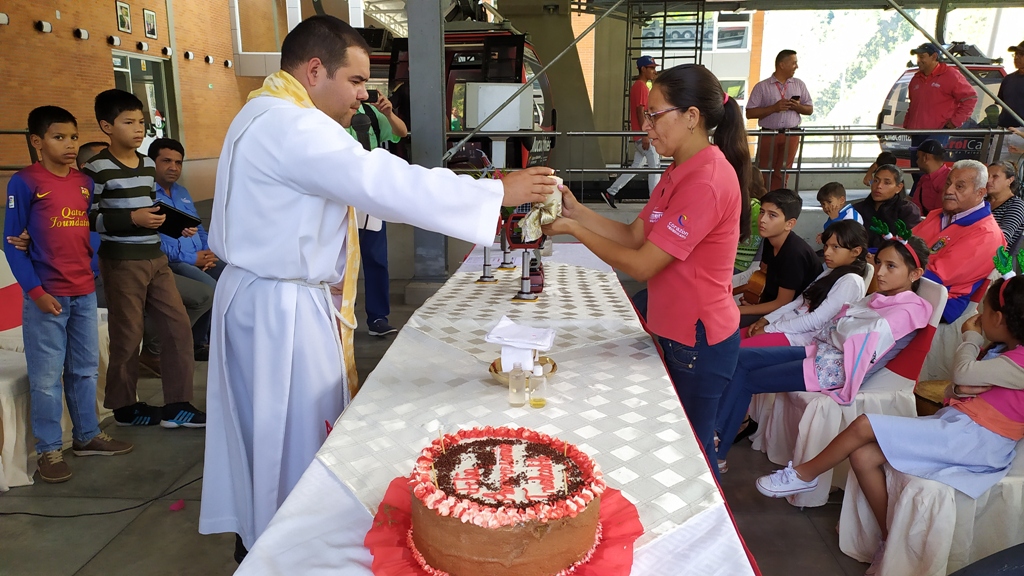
723 466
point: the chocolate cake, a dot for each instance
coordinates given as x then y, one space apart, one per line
504 502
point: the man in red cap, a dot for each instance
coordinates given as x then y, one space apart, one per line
647 69
1011 91
940 98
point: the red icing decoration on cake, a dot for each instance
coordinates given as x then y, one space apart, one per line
468 483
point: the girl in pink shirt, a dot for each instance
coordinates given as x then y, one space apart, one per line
968 445
684 241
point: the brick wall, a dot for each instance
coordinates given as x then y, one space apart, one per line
264 24
585 49
56 68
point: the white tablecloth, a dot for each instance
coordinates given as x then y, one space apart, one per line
610 396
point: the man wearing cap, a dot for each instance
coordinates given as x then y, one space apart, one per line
1011 91
928 190
940 98
777 103
647 69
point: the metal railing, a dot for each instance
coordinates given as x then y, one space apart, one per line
820 150
28 142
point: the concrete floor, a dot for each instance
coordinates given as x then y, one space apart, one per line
153 540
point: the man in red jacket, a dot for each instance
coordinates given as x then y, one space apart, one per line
940 98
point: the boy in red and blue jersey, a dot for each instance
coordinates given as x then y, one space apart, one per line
51 201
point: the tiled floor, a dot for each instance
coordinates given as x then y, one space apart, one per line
153 540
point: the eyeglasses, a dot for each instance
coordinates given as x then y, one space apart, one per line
651 116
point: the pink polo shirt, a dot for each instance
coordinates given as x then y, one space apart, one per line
694 215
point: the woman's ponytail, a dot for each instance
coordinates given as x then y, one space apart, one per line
731 138
694 85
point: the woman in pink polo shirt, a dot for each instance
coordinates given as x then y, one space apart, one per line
684 241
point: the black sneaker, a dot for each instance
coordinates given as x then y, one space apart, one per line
380 327
138 414
609 199
183 414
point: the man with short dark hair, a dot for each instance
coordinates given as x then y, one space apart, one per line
940 97
289 179
647 70
777 102
931 183
195 267
1011 91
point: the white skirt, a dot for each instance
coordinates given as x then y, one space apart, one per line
948 447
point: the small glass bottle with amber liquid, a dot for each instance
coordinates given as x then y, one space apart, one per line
538 387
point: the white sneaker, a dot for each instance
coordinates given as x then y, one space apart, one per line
876 560
785 482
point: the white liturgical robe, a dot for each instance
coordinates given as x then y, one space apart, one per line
285 179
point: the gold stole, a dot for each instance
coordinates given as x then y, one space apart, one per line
283 85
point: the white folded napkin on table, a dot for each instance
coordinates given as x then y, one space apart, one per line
519 343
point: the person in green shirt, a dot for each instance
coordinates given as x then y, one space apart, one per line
385 126
747 250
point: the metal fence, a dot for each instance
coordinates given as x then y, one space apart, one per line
819 150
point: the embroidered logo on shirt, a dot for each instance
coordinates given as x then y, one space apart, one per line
10 201
43 194
940 244
655 216
679 227
85 191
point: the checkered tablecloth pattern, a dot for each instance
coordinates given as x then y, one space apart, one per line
610 395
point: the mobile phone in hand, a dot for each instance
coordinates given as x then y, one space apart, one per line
373 96
795 98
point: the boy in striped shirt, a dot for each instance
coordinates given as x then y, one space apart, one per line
135 274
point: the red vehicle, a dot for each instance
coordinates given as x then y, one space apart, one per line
894 109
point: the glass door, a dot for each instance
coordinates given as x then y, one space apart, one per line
146 78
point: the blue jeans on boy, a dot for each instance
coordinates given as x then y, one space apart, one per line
373 248
758 370
68 344
201 329
700 374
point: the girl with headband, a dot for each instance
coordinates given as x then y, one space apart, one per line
969 445
846 352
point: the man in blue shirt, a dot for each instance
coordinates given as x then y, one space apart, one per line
385 126
189 257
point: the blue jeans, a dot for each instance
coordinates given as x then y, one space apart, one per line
201 329
758 370
373 248
700 374
68 344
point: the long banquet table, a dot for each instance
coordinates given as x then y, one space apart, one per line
611 396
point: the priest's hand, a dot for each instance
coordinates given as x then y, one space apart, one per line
147 217
529 185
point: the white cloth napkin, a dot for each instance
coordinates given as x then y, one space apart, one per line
508 333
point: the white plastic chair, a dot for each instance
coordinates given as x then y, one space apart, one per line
801 424
933 528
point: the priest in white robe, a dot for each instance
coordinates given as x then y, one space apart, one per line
288 180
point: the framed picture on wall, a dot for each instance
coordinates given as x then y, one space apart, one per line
149 19
124 17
